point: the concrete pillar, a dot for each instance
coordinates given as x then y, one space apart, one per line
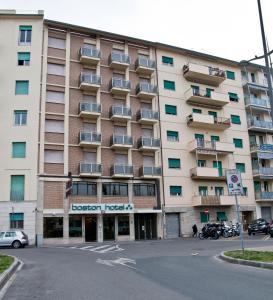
132 227
100 228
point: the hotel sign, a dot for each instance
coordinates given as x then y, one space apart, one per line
100 208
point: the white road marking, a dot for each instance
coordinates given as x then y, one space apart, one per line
98 248
107 249
86 247
119 261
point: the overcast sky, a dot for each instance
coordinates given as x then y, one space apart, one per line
226 28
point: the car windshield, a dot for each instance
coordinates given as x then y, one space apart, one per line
2 234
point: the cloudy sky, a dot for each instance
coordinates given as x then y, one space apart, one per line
226 28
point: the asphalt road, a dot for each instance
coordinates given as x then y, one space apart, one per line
169 269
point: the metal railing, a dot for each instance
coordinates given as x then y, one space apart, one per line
121 140
120 83
90 137
121 170
261 82
149 142
202 144
210 199
257 102
264 171
262 147
120 58
89 107
145 62
150 171
260 123
90 52
217 72
264 195
90 168
147 114
17 195
146 88
90 78
120 110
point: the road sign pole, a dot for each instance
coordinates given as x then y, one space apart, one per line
239 222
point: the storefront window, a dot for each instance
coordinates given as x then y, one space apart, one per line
53 227
146 190
115 189
75 226
123 225
84 188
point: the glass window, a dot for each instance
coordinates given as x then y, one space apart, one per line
144 190
23 58
17 187
16 220
174 163
208 92
55 69
176 190
203 190
230 75
84 188
199 136
20 117
54 126
123 225
115 189
170 109
54 97
201 163
235 119
53 227
75 226
214 138
197 110
172 136
233 97
56 43
25 34
21 87
54 156
169 85
241 167
167 60
212 113
219 190
238 143
245 192
2 234
18 149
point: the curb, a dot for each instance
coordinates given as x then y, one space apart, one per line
4 277
244 262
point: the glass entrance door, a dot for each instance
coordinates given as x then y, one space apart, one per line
145 226
90 229
108 228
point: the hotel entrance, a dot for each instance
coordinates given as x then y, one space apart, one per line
109 228
90 228
145 226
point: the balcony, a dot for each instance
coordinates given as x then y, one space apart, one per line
206 98
120 87
89 110
90 82
203 74
259 125
147 116
120 113
121 142
265 151
90 170
255 85
264 196
148 144
207 173
145 66
257 104
263 172
210 147
89 56
150 172
122 171
213 200
119 61
146 91
89 139
197 120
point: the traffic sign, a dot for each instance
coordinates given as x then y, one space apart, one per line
234 182
206 211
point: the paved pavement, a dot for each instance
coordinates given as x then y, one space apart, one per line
169 269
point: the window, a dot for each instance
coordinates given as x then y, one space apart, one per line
195 89
75 226
214 138
176 190
115 189
212 113
203 190
208 92
235 119
167 60
17 187
219 190
174 163
54 156
25 34
172 136
144 189
56 43
169 85
221 216
23 58
54 126
20 117
53 227
21 87
233 97
238 143
230 75
197 110
84 188
54 69
16 220
170 109
245 192
123 225
54 97
241 167
18 149
201 163
199 136
204 218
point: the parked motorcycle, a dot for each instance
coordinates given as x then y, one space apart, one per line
209 231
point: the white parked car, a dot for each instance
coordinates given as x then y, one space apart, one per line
14 238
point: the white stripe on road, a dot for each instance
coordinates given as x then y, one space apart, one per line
101 247
106 250
86 247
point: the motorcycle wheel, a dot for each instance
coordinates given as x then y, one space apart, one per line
201 236
215 235
225 234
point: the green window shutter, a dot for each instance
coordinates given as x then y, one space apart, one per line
245 191
218 165
257 186
238 143
219 190
215 138
195 89
204 218
16 217
173 135
230 75
25 27
18 149
24 56
213 113
208 92
167 60
175 190
21 87
201 163
197 110
241 167
170 109
17 187
235 119
233 97
199 136
221 216
203 190
169 85
174 163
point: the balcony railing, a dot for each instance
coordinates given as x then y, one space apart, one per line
120 58
202 118
263 171
259 123
264 195
90 137
89 107
262 82
148 114
123 170
148 142
119 83
262 147
90 52
121 140
144 87
217 72
89 168
258 102
90 79
150 171
145 63
120 110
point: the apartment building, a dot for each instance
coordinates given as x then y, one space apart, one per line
20 64
255 84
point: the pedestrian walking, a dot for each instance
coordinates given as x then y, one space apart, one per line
194 230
